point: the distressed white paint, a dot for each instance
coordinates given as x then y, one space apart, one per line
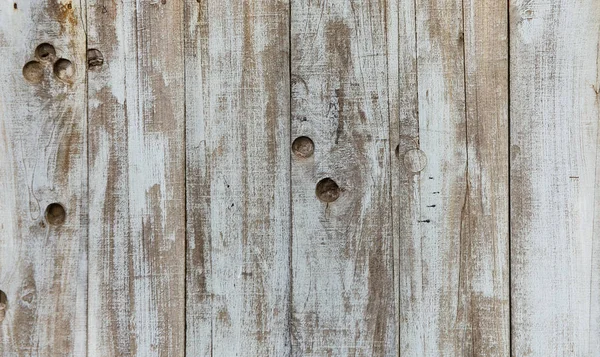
406 262
554 198
453 242
137 183
238 151
42 160
343 296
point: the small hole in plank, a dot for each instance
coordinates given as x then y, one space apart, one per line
45 51
328 190
303 147
33 72
64 69
3 305
55 214
94 58
15 6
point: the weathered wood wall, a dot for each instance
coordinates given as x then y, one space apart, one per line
299 178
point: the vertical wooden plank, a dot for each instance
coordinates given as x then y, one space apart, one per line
136 188
238 150
554 178
344 299
42 161
452 188
484 288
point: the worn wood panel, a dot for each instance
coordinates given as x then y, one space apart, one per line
343 296
451 191
42 161
137 182
238 180
554 164
484 277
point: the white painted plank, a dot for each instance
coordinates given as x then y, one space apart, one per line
554 183
451 194
238 150
42 161
344 296
137 182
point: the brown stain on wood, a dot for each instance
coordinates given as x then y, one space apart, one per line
70 140
64 13
353 108
338 46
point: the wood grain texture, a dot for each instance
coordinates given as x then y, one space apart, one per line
343 296
195 226
42 161
137 182
554 178
238 180
451 191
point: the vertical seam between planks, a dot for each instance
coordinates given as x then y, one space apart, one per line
185 180
290 207
390 168
466 205
593 215
466 109
418 133
87 180
416 73
510 305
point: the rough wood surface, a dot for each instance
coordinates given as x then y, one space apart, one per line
451 193
343 295
554 178
137 182
42 161
299 178
238 195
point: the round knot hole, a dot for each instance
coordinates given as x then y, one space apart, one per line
328 190
45 52
55 214
33 72
303 147
64 70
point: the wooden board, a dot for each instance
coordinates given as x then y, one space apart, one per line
299 178
343 295
137 179
554 178
238 181
451 187
42 162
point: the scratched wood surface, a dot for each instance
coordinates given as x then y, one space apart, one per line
451 190
343 296
136 179
238 191
555 290
43 177
299 178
